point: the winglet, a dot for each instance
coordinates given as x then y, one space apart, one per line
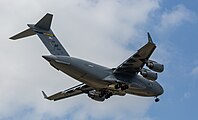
149 38
45 96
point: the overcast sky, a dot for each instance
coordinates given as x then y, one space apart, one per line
105 32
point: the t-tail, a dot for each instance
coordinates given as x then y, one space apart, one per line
43 30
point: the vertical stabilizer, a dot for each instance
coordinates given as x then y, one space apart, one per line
44 32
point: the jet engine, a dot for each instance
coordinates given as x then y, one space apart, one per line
148 74
153 65
96 95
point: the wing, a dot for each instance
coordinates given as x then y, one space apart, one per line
136 62
76 90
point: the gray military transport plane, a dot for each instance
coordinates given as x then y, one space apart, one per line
97 81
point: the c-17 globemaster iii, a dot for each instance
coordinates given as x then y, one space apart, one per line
97 81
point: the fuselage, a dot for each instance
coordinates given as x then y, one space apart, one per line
100 77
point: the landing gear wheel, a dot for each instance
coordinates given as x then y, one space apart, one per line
124 87
101 95
157 99
117 86
108 95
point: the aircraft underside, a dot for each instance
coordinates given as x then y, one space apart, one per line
99 82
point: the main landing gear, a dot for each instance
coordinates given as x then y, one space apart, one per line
157 99
105 94
108 95
122 87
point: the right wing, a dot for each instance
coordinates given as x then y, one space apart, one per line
136 62
76 90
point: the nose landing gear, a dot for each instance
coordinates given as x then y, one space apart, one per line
157 99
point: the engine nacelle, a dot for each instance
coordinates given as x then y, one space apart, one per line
96 95
149 74
155 66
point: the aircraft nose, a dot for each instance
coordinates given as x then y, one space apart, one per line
160 90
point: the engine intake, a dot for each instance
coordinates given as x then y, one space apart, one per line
149 74
153 65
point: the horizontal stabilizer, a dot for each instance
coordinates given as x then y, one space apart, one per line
23 34
45 22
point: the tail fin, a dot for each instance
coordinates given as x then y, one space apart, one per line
45 22
42 29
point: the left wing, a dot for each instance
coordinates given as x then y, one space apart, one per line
136 62
76 90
